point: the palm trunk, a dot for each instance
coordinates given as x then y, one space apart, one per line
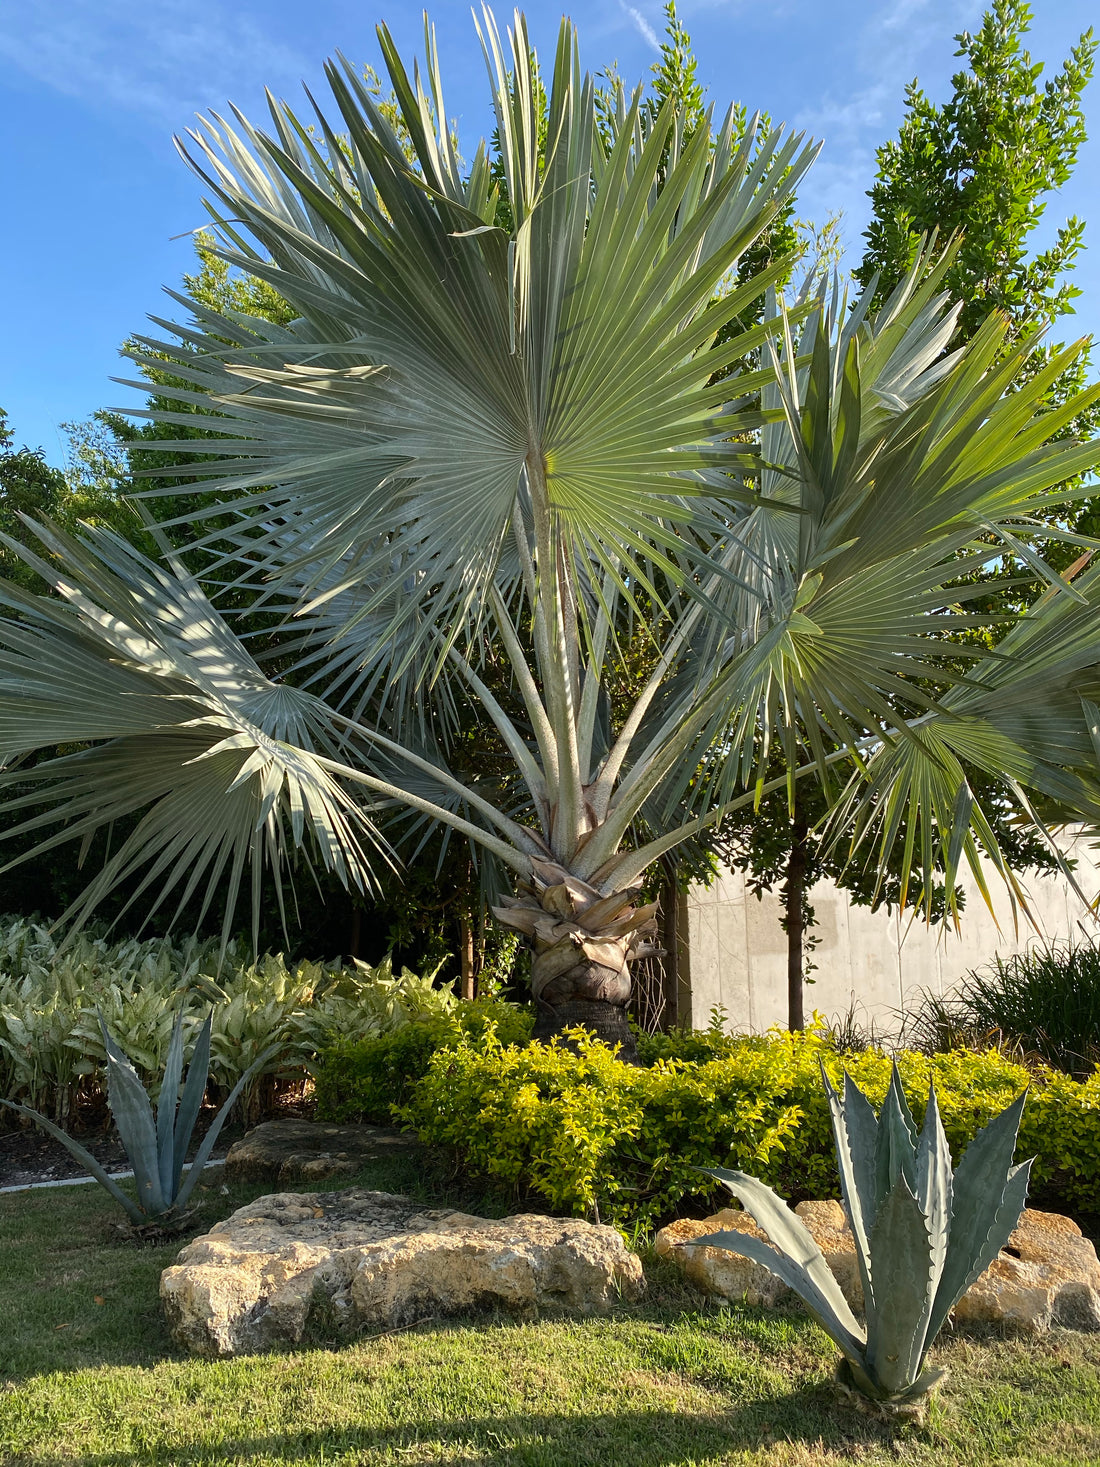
794 896
583 944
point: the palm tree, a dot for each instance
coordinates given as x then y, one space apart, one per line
482 465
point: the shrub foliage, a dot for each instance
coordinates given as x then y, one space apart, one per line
588 1134
364 1079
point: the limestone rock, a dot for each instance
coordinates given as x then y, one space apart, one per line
730 1276
285 1152
1047 1274
375 1261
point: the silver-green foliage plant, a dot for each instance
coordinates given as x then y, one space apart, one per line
156 1141
521 424
923 1234
52 996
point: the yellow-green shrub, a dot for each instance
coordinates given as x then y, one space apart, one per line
588 1133
358 1079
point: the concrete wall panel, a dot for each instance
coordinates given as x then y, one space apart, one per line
877 963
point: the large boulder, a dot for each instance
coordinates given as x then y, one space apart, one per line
282 1153
373 1261
1047 1274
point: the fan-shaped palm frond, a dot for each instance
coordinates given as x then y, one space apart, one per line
232 768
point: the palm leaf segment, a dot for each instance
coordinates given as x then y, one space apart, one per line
446 379
905 469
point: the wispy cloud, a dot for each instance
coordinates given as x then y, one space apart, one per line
164 59
895 44
641 25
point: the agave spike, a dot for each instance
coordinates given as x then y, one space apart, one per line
166 1108
922 1234
133 1115
194 1089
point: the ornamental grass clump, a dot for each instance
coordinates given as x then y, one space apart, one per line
1043 1003
923 1235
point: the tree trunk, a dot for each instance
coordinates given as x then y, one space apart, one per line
794 895
583 943
606 1021
670 941
466 943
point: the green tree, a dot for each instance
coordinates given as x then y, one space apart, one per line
31 486
984 164
478 443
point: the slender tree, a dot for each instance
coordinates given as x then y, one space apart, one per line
470 439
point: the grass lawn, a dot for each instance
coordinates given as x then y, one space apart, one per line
90 1376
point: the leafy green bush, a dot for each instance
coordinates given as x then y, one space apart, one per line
50 1038
590 1134
364 1079
698 1045
1043 1002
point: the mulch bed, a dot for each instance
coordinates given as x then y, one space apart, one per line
32 1156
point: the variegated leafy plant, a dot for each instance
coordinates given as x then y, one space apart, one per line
53 996
923 1234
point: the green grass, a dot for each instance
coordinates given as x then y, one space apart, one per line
671 1381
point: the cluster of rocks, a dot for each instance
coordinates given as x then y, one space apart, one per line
372 1261
1047 1274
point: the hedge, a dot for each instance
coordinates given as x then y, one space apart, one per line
363 1080
591 1135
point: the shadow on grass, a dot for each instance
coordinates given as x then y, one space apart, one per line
658 1438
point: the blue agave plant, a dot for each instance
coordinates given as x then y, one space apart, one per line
156 1142
923 1233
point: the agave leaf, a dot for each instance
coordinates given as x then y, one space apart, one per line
166 1107
83 1156
190 1102
935 1187
985 1209
901 1265
895 1144
1004 1218
855 1128
202 1156
133 1115
800 1263
831 1311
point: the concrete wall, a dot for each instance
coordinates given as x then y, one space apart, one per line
736 950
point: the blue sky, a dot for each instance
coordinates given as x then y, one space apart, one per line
92 91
